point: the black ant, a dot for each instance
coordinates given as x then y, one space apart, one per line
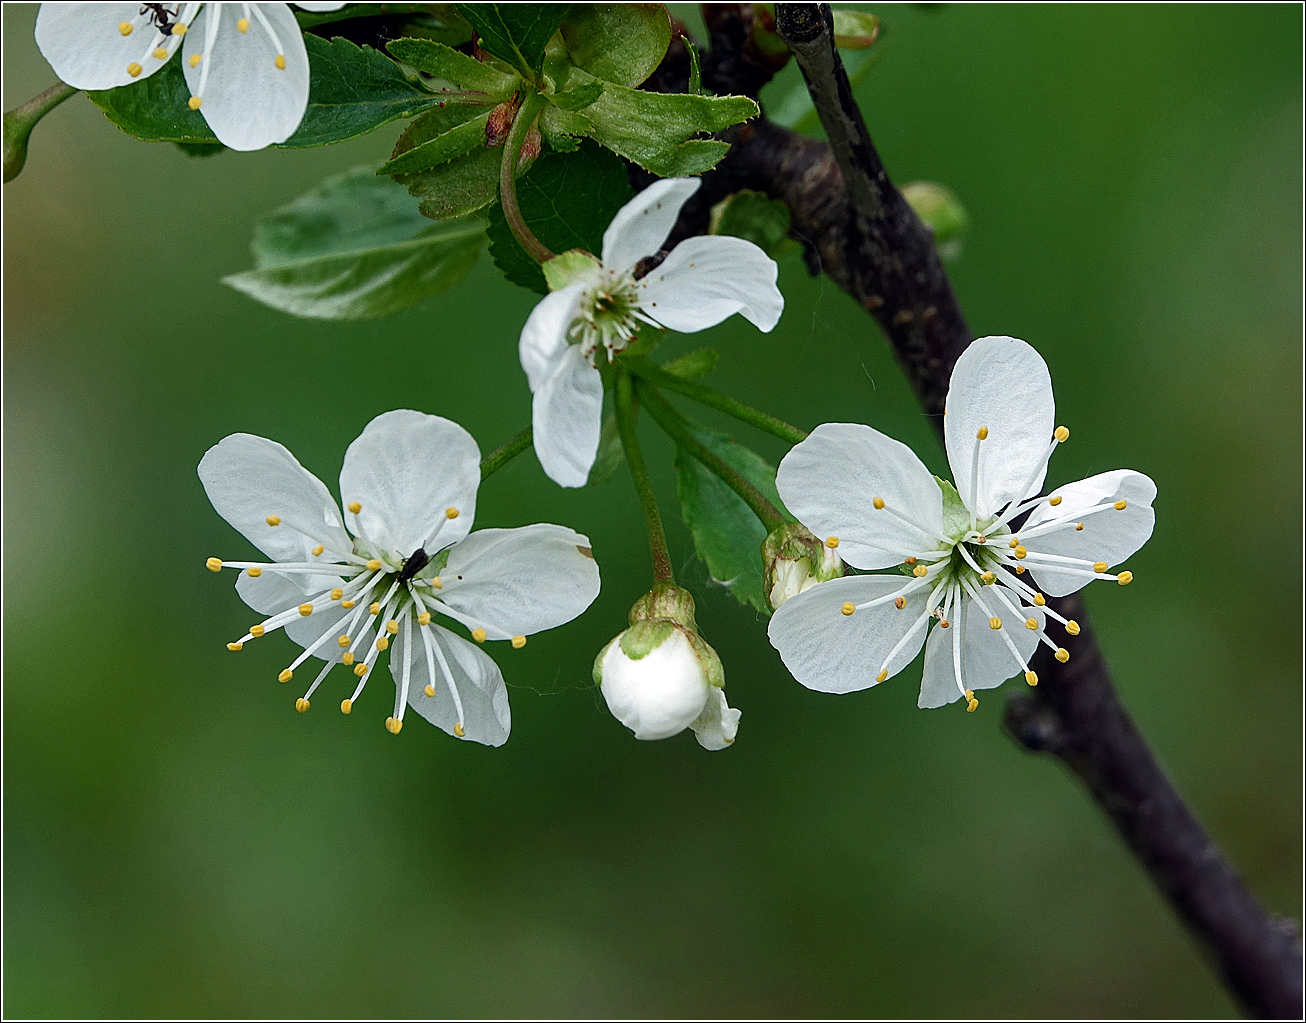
159 16
413 564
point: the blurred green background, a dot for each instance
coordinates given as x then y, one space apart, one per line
178 841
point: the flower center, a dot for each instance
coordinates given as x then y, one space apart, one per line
608 314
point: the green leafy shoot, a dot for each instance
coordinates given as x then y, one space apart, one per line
619 43
356 247
516 33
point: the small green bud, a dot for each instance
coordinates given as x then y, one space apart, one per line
855 30
941 211
665 600
794 561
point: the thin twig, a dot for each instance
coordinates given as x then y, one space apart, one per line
626 409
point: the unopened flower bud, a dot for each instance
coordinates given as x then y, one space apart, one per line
659 677
794 561
941 211
499 124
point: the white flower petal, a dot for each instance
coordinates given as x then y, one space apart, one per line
271 592
718 725
247 99
706 279
486 718
831 479
411 471
1108 535
249 478
567 415
986 660
642 225
831 652
544 338
321 8
517 582
86 49
1003 384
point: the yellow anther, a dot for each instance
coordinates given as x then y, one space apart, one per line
125 28
343 641
392 627
134 69
382 642
347 604
242 26
1061 434
256 631
374 566
214 564
1014 543
234 647
354 507
518 642
1079 527
160 53
988 578
337 593
429 690
273 520
1100 566
392 725
374 608
971 702
982 433
878 502
832 542
1125 578
286 675
195 59
995 623
346 659
884 673
301 705
360 669
1020 570
1054 501
435 583
346 706
920 571
1072 627
424 618
194 102
178 28
317 551
1020 552
899 602
281 62
1121 505
1062 654
909 560
1031 677
1039 599
451 513
305 609
459 730
478 635
1032 623
849 607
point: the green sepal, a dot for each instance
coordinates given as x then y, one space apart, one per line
621 43
441 149
562 269
707 657
643 637
956 518
516 33
447 63
665 600
693 365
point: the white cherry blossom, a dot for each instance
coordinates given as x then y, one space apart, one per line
347 587
701 282
245 63
978 561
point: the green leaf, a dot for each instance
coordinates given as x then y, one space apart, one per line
579 97
356 247
352 90
620 43
657 130
441 149
447 63
695 365
461 186
754 217
727 535
567 201
516 33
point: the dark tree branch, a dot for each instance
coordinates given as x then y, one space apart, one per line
859 231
